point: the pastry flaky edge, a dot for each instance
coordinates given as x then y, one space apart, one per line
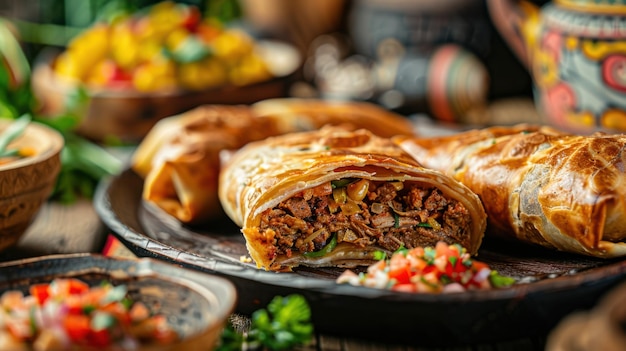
538 184
263 174
179 159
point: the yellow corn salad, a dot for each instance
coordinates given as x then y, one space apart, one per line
168 47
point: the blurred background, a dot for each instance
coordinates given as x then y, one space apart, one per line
386 52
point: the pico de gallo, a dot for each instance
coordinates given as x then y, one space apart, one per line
69 314
443 268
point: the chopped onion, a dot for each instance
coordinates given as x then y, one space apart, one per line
482 275
350 208
377 208
314 235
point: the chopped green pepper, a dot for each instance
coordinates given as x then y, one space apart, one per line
325 250
340 183
500 281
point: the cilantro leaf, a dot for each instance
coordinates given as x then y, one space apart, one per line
284 324
500 281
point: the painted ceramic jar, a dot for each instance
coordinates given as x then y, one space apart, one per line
576 53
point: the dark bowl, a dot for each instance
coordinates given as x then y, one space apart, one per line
196 305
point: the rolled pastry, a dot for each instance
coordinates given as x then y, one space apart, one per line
539 185
179 158
297 114
334 197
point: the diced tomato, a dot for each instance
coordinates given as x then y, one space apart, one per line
398 260
40 292
162 332
192 18
402 274
139 312
99 338
450 269
417 252
442 249
118 310
66 287
77 327
477 266
74 304
94 296
429 269
410 288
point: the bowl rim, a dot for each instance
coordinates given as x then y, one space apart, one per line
57 142
219 292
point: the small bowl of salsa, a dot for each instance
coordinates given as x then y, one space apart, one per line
93 302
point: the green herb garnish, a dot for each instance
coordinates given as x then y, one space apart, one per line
430 254
14 130
285 324
500 281
380 255
325 250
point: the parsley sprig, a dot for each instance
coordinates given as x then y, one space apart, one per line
283 325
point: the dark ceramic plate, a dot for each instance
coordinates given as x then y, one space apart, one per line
196 305
550 284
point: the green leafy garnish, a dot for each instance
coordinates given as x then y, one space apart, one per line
325 250
190 50
500 281
284 324
430 254
14 130
380 255
84 164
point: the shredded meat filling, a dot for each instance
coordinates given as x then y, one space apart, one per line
387 214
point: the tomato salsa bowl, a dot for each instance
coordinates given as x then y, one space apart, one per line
168 307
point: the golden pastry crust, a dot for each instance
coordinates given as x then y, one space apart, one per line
539 185
296 115
264 175
180 158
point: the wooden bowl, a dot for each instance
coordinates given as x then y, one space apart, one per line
128 115
28 182
196 305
